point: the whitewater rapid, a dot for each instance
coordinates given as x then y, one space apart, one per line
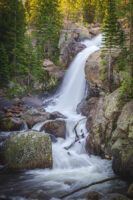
73 168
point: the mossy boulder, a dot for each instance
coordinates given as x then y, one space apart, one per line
122 151
27 150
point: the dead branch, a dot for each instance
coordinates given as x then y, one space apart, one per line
68 147
76 135
94 183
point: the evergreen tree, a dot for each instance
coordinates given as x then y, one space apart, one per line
89 9
49 24
12 29
4 67
111 34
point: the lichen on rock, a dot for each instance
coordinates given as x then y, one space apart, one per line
27 150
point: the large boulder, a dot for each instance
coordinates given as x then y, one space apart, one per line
68 50
55 127
27 150
101 122
34 116
123 142
110 127
96 71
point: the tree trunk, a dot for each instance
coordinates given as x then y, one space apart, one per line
110 72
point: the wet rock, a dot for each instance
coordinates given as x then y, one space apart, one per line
34 116
93 195
69 50
28 150
55 115
83 108
11 124
53 138
130 191
115 196
55 127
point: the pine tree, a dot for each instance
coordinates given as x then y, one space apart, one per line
4 67
49 24
12 29
111 34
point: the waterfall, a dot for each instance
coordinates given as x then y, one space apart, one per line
73 168
72 89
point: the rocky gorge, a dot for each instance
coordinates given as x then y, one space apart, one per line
109 122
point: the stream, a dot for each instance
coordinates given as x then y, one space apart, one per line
72 168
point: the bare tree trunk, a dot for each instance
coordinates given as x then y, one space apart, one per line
110 72
94 183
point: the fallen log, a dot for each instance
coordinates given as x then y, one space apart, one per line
91 184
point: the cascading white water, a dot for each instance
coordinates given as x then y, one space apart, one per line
73 168
73 87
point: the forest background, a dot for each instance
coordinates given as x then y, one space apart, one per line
23 21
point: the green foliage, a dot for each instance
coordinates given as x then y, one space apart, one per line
12 29
4 67
49 25
127 90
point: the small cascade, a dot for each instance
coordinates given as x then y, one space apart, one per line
72 167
